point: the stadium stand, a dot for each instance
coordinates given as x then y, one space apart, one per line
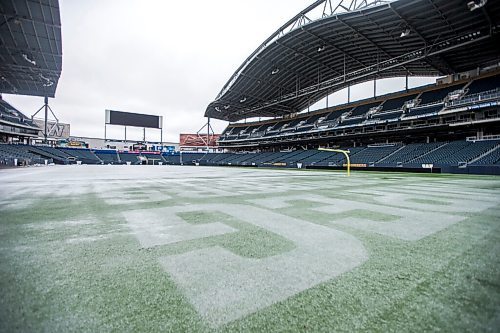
14 123
174 159
11 114
132 158
484 84
189 158
440 154
373 154
438 95
107 156
397 103
57 156
456 152
427 104
19 155
410 152
86 156
424 111
491 158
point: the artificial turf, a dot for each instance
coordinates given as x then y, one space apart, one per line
152 249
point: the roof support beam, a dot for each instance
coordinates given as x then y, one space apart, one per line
412 28
269 83
284 68
13 16
374 69
443 17
20 50
368 40
319 63
334 47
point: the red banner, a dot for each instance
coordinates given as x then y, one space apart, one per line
198 140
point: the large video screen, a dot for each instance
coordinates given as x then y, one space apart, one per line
133 119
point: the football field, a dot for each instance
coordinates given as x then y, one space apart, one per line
199 249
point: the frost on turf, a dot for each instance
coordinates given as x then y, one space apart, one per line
441 201
163 226
223 286
408 225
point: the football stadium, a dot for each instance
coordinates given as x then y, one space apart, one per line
303 215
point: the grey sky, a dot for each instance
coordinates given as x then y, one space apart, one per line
157 57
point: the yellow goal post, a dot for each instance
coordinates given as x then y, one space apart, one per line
346 154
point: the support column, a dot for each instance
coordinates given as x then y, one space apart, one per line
46 107
144 134
349 94
480 134
406 81
375 88
208 135
125 133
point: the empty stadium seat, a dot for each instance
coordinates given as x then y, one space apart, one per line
484 84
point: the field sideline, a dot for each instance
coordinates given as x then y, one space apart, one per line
199 249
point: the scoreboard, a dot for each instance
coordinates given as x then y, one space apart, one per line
133 119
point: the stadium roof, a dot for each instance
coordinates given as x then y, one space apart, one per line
307 58
30 47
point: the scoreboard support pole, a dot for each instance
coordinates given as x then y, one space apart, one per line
210 132
46 107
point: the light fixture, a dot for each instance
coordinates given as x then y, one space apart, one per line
473 5
243 100
226 107
217 109
275 71
321 48
405 33
25 57
48 82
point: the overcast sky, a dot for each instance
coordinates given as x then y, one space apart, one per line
158 57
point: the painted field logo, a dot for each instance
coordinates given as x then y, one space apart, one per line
223 286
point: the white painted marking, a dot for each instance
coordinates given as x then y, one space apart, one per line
411 225
469 204
163 226
224 287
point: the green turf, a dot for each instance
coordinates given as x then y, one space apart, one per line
69 261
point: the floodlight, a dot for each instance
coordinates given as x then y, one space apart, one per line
25 57
475 4
48 82
405 33
275 71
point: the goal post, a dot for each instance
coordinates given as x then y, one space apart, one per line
346 154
